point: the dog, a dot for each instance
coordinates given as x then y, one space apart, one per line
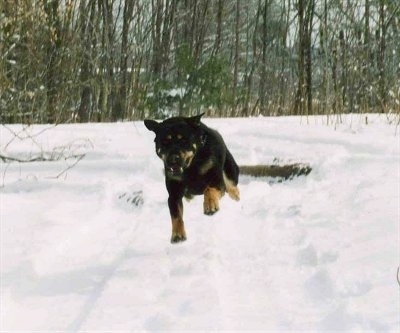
196 162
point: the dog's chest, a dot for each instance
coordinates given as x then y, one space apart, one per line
194 186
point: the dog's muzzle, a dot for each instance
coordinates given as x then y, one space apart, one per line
174 166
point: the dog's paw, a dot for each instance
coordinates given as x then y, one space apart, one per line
234 193
177 238
211 201
211 208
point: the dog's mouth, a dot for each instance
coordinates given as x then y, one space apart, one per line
176 164
174 170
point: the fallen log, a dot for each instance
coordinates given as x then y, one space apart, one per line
284 172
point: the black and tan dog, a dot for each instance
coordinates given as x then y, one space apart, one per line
197 162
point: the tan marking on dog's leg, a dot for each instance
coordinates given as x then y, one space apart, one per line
178 230
211 200
178 227
231 188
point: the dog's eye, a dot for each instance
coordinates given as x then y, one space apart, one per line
166 140
181 138
184 140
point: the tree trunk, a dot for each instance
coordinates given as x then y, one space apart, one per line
157 12
218 36
236 57
285 17
381 57
121 102
53 48
264 61
308 53
87 14
300 96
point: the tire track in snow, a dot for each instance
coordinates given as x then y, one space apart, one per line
98 289
97 292
189 291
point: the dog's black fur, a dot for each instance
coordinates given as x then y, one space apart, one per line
196 162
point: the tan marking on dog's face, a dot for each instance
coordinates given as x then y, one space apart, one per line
187 156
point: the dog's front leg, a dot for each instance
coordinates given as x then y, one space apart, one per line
176 210
211 200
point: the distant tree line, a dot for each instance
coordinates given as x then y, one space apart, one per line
109 60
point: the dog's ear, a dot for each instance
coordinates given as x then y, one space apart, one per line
151 125
195 121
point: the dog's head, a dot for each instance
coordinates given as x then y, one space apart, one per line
177 142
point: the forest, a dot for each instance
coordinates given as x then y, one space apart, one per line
114 60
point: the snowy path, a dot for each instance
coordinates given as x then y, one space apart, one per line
318 253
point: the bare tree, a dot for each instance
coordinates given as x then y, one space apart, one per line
87 13
264 7
303 101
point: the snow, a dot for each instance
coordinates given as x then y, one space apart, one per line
89 250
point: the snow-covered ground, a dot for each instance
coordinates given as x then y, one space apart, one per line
89 250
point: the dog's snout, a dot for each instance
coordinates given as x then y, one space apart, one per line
173 165
174 159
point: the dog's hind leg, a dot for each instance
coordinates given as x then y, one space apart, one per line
231 176
231 188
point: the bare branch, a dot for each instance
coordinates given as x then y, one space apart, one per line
39 158
64 172
75 150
